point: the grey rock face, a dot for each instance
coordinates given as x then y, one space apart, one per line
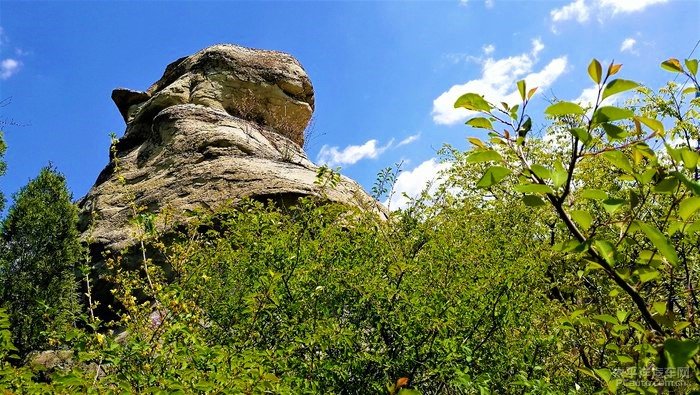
223 124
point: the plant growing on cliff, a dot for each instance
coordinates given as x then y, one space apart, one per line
39 248
3 167
623 185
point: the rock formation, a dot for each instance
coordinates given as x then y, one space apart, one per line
223 124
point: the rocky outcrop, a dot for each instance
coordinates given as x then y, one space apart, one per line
221 125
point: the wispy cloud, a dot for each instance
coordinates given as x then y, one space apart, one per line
413 182
9 67
628 45
334 156
627 6
497 83
456 58
489 3
408 140
581 10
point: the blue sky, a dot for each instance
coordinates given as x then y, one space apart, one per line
385 73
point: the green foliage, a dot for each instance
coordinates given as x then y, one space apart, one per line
3 167
542 266
38 252
625 207
347 302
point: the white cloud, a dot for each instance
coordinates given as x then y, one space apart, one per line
627 6
333 156
537 47
497 83
408 140
9 67
581 11
628 45
488 49
413 182
577 10
589 95
489 3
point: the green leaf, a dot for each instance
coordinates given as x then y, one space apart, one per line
474 102
583 218
624 358
621 315
647 256
689 90
613 204
484 156
619 160
595 71
606 318
570 245
617 86
688 207
674 153
564 108
667 185
679 352
610 113
521 88
680 326
493 176
673 65
559 175
606 250
581 134
690 158
514 112
659 307
533 201
647 274
652 124
633 199
659 241
475 141
534 188
614 132
480 122
594 194
541 171
693 186
646 176
692 66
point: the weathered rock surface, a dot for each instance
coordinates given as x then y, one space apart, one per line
223 124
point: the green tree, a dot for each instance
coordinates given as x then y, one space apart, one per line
623 185
39 250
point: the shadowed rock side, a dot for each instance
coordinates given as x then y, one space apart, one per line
223 124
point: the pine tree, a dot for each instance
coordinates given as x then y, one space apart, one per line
40 248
